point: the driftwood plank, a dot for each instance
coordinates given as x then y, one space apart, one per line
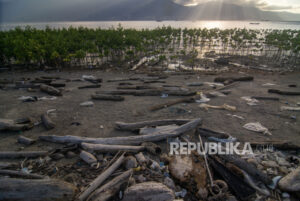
288 93
131 140
139 125
150 92
101 178
111 188
36 190
111 148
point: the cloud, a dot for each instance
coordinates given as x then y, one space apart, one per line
266 5
276 8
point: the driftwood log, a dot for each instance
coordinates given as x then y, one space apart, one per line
50 77
101 178
22 154
154 81
152 148
92 79
141 158
25 140
173 102
36 190
123 79
149 191
11 125
241 189
107 97
21 174
210 133
125 83
57 84
22 85
157 130
47 122
41 80
90 86
50 90
111 188
112 148
149 92
185 100
247 167
7 165
265 98
195 84
276 144
138 87
131 140
149 146
233 79
139 125
88 157
288 93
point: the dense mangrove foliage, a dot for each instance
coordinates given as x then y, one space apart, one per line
96 47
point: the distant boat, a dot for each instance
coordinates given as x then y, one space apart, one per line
255 23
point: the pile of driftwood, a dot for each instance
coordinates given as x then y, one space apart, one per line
128 151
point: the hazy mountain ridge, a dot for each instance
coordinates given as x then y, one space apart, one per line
137 10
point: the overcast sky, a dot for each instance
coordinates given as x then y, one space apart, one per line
18 10
270 5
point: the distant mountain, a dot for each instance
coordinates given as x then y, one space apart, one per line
93 10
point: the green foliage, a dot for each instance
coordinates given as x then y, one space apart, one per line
72 46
